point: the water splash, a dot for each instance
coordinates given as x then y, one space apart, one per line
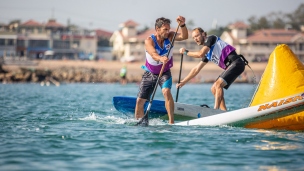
120 120
91 116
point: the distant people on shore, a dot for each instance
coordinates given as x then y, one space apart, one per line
123 75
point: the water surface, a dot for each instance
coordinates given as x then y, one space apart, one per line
76 127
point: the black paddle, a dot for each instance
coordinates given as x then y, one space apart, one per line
145 120
179 78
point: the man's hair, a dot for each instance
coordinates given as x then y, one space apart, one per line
200 30
161 21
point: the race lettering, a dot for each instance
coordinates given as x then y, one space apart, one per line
288 100
263 107
215 59
297 98
281 102
274 104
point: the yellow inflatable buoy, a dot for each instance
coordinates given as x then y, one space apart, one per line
283 76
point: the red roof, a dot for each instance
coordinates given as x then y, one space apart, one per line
103 33
145 34
149 32
31 23
272 35
64 37
129 23
53 23
238 24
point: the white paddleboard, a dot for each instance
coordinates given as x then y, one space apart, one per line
270 110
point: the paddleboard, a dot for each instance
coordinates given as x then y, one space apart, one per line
255 114
126 105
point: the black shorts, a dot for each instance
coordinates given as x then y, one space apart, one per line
148 82
234 70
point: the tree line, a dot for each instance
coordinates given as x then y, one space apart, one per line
274 20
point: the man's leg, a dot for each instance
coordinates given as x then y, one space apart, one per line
218 92
145 89
225 80
139 108
169 104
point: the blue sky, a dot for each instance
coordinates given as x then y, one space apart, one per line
108 14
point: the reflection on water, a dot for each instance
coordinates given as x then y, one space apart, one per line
280 141
271 145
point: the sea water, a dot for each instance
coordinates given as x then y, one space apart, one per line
76 127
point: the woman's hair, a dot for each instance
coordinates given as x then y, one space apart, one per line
160 21
200 30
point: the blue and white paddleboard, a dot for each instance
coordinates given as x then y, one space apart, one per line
126 105
255 114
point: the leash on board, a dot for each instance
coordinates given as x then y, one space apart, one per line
254 80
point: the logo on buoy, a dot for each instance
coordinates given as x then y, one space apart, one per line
281 102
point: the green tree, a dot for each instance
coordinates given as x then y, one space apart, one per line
263 23
253 23
278 20
143 29
190 24
296 19
218 32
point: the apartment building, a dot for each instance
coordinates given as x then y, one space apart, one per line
50 40
104 47
8 40
128 45
257 47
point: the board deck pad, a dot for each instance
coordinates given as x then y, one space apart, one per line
126 105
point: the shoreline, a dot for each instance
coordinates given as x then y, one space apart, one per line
108 71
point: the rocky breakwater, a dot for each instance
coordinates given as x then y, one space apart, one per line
70 71
59 75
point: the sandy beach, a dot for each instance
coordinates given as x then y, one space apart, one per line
134 71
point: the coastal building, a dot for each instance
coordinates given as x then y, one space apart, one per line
53 40
128 43
8 39
33 40
104 47
50 40
8 44
258 46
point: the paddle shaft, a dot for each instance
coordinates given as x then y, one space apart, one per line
146 116
153 94
179 78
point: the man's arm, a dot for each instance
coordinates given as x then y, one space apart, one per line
194 71
184 33
197 54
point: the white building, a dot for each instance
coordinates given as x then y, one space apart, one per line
128 45
256 47
259 45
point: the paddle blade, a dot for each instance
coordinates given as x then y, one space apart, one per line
144 121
